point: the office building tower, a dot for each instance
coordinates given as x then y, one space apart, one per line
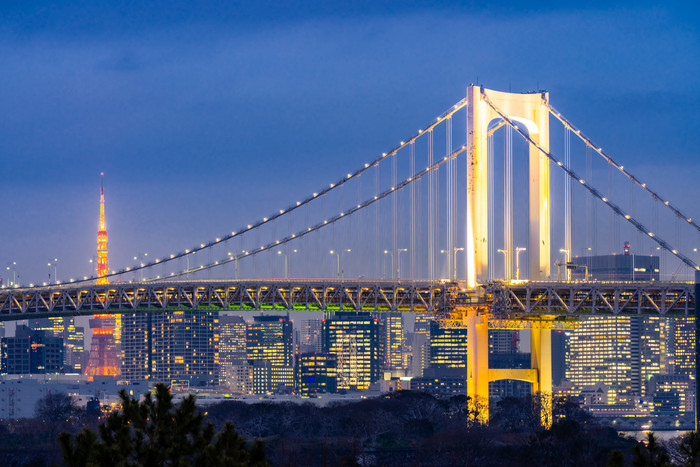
269 378
422 323
603 349
393 337
310 336
683 345
73 339
270 338
420 346
171 347
31 352
232 344
316 372
448 347
354 339
672 394
622 352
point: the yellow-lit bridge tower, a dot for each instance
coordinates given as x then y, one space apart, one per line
530 111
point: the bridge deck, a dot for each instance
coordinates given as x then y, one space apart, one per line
515 299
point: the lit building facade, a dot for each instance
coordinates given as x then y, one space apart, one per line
270 338
73 339
621 352
393 340
31 352
683 345
448 347
232 344
672 393
171 347
354 339
316 372
310 336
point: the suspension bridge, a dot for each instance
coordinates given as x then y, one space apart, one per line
420 228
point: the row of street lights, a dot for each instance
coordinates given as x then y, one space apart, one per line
518 250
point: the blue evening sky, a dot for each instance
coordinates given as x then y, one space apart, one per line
204 117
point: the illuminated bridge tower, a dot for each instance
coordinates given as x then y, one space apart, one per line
103 350
529 111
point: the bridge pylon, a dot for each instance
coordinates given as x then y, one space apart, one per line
479 375
531 111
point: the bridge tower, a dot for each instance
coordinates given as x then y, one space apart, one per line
530 111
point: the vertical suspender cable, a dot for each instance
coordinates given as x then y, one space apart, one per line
491 206
567 193
412 210
431 208
508 204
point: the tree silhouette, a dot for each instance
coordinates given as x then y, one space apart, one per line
55 407
155 432
650 453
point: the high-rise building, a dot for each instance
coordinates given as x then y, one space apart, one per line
393 337
622 352
232 344
106 329
31 352
310 336
448 347
171 347
603 349
316 373
683 345
271 379
73 339
270 338
354 339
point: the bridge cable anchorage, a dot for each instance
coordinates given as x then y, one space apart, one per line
350 176
322 224
638 225
619 167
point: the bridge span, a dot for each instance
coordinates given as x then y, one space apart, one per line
523 299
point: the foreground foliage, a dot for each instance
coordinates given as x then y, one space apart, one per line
154 432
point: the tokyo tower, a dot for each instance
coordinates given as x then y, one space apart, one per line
103 350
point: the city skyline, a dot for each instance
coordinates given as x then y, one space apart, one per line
136 133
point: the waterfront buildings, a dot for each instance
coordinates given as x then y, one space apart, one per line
177 347
354 338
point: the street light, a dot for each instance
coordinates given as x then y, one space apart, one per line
12 267
398 255
286 271
505 262
517 261
568 261
454 262
55 276
387 252
339 254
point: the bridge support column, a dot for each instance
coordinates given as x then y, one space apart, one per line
541 360
478 364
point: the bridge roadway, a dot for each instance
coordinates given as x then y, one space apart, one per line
516 299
